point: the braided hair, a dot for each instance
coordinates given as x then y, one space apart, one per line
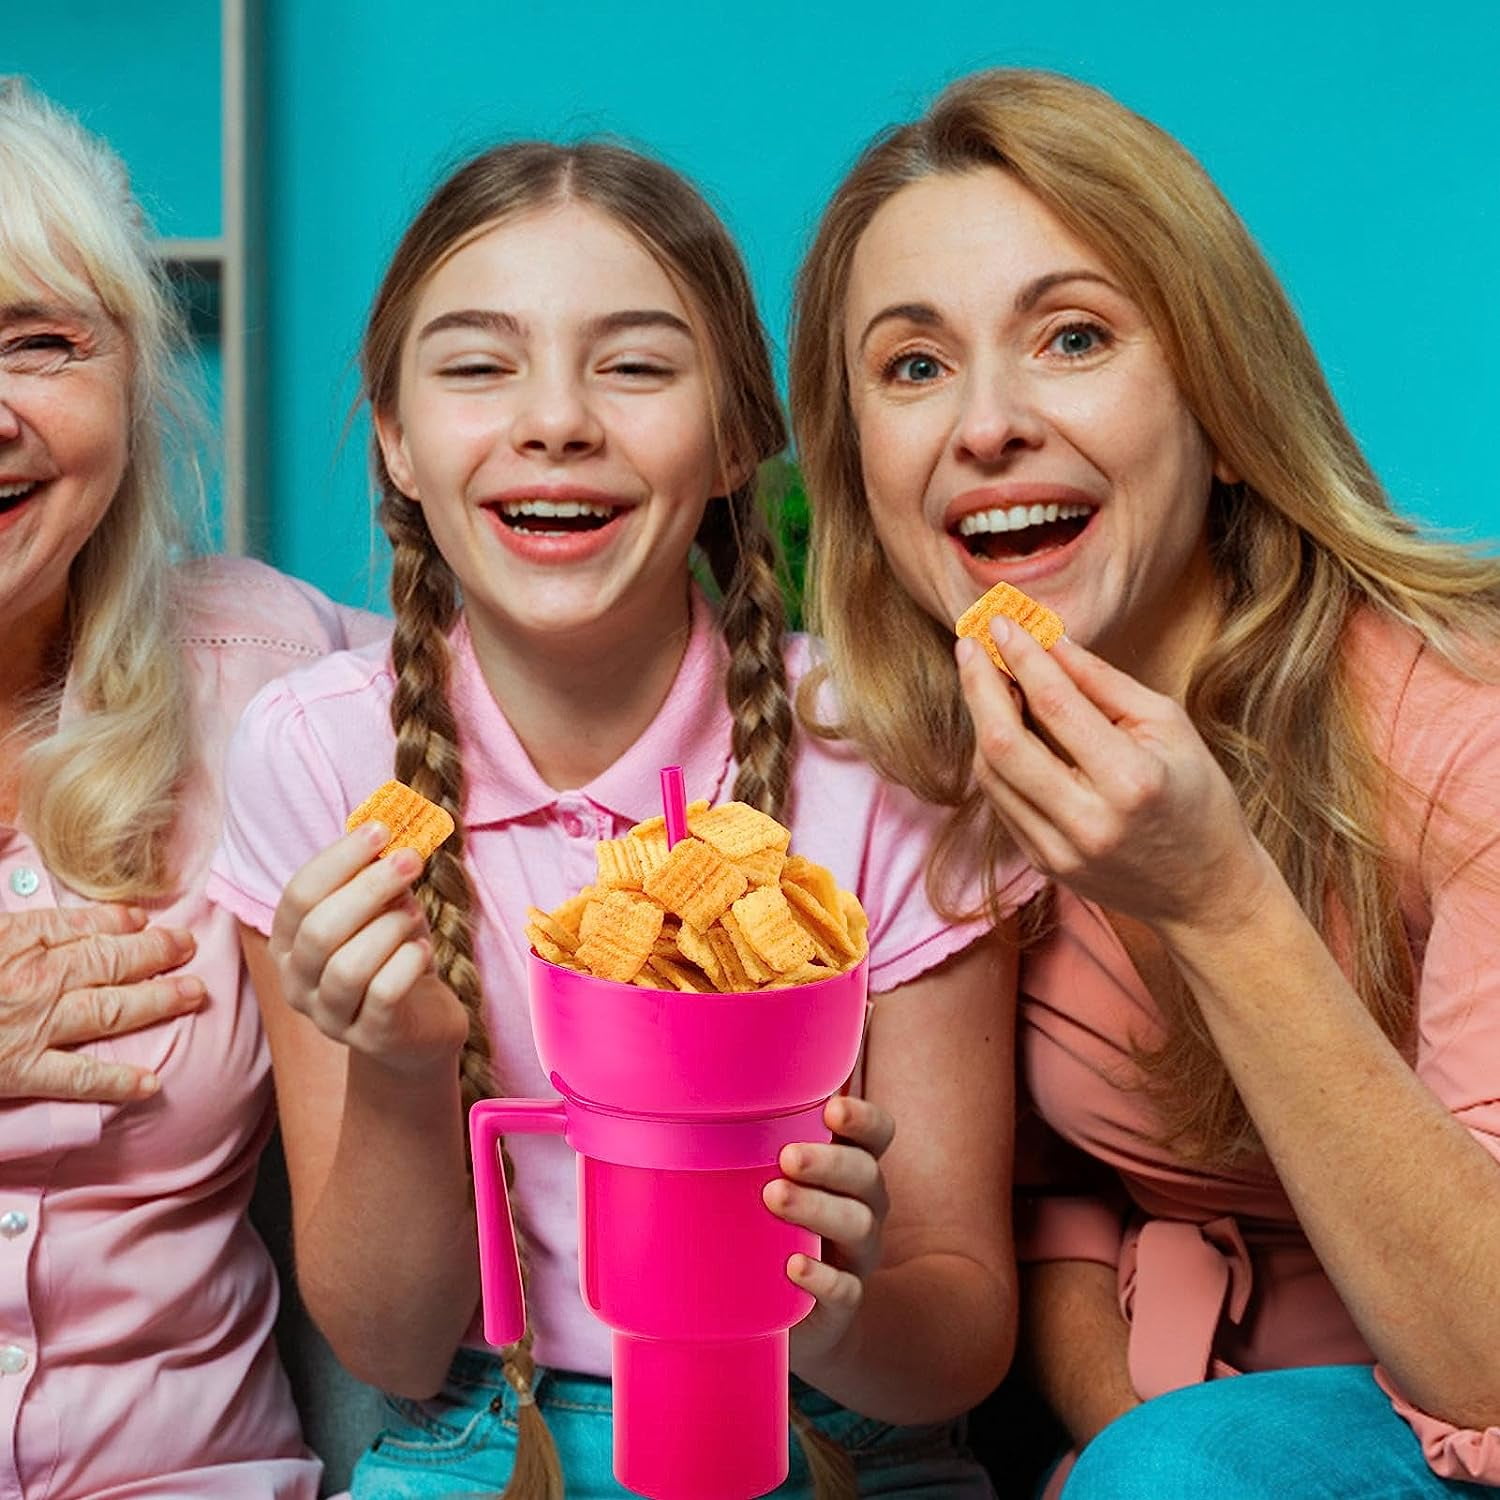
674 224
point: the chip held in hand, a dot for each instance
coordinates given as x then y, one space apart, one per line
414 822
1005 599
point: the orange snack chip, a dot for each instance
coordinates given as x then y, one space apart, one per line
768 926
696 882
415 823
1005 599
728 909
737 830
620 942
619 864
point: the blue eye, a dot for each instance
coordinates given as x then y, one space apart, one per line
915 369
1078 339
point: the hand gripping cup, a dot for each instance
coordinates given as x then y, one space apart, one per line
678 1105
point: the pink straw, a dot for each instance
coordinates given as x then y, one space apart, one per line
674 804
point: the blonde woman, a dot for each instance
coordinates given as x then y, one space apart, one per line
1260 996
135 1303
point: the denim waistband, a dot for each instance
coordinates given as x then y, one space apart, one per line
475 1370
483 1370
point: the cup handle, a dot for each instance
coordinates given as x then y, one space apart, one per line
499 1268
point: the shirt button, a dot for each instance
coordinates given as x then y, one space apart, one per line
12 1359
24 881
572 825
13 1223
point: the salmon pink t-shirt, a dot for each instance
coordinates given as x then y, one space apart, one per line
1215 1273
136 1303
314 746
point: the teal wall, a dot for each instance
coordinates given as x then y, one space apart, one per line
1359 141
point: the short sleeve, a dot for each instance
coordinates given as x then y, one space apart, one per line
1445 751
1458 997
284 802
908 933
1451 1452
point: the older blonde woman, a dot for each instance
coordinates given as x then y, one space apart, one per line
135 1303
1260 995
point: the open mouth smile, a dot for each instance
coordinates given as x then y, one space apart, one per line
12 496
557 517
1011 531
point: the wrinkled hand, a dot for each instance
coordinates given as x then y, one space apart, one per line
1142 821
352 951
74 975
836 1190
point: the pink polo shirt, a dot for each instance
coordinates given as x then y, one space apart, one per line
136 1304
309 749
1215 1274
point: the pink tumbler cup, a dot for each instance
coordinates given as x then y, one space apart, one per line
678 1106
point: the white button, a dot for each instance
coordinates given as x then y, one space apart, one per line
24 881
12 1359
13 1223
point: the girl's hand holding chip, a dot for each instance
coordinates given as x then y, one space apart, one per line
838 1191
353 954
1109 789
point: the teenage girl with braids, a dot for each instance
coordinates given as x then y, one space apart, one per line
570 388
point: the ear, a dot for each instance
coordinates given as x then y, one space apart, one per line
1223 472
392 440
736 473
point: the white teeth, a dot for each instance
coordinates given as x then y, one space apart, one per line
1015 517
11 491
560 508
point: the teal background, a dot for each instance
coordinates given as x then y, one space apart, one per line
1358 141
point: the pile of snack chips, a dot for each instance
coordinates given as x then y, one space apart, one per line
727 909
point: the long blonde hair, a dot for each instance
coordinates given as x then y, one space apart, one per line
1303 539
673 223
99 794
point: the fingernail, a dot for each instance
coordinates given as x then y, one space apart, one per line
147 1085
376 835
190 987
965 650
1000 630
136 913
405 862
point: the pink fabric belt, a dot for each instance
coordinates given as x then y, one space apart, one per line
1176 1281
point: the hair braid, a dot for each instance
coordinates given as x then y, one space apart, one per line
424 595
741 549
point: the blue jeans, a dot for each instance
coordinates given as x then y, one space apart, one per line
463 1442
1322 1433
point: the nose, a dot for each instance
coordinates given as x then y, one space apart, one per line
556 418
999 418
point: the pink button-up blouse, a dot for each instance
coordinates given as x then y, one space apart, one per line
136 1304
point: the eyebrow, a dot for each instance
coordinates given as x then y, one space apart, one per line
1034 291
925 315
504 324
51 312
